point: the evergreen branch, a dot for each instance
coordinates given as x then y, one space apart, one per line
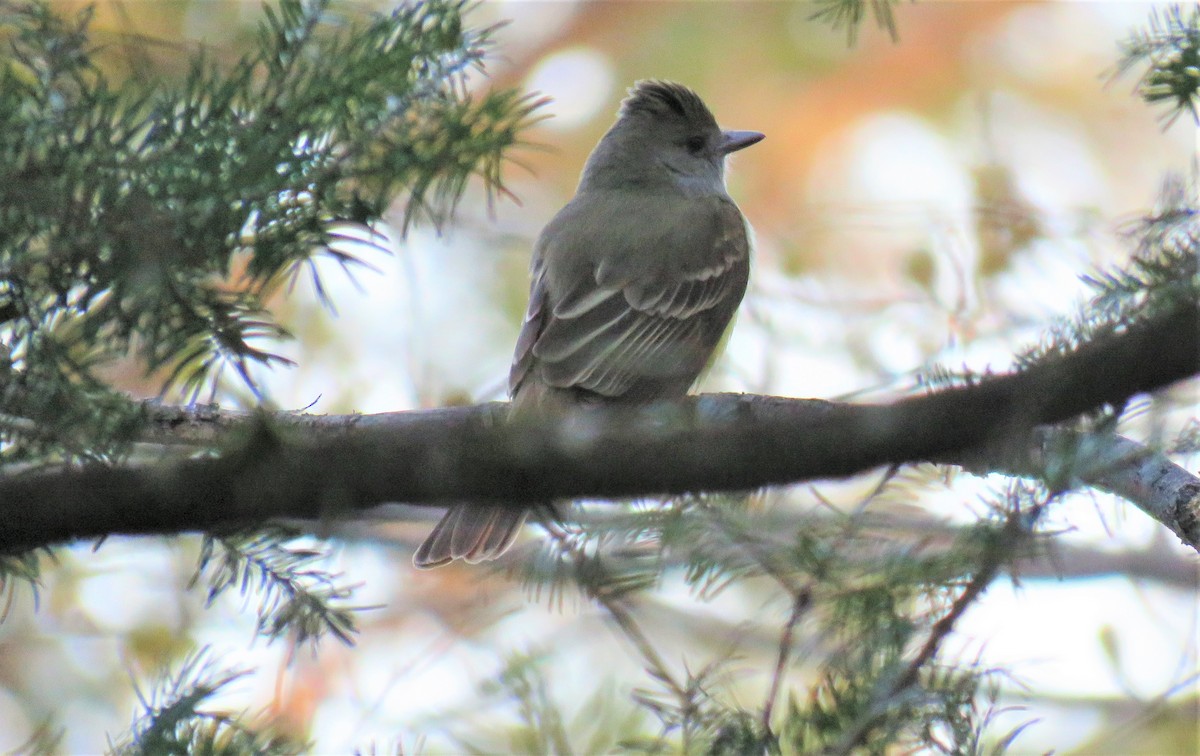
1163 273
566 560
686 705
544 726
691 709
1065 459
596 580
860 577
153 217
849 15
800 606
176 717
294 597
998 550
779 530
737 553
872 611
1170 47
543 722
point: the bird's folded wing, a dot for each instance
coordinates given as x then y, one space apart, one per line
636 337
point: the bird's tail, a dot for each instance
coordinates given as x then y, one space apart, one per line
471 532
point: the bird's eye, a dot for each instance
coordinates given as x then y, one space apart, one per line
694 144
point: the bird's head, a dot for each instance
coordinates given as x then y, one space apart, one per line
664 136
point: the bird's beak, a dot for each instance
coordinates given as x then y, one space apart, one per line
732 141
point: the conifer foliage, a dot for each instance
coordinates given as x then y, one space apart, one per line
154 217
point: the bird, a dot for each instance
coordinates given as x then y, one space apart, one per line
633 284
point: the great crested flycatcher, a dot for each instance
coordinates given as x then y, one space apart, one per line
633 284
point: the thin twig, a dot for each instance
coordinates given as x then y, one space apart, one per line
762 556
993 561
617 609
799 606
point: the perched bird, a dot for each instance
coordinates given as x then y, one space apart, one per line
633 285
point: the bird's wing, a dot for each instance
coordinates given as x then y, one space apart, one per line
643 331
531 328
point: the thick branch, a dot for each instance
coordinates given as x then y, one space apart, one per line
705 443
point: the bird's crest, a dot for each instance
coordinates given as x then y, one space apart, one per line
655 96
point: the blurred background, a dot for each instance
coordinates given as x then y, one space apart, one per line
928 201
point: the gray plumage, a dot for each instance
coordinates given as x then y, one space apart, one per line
633 283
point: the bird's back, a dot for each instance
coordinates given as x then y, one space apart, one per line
630 295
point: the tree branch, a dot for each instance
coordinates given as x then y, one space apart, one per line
281 468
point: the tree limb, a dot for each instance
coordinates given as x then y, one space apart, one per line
281 468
